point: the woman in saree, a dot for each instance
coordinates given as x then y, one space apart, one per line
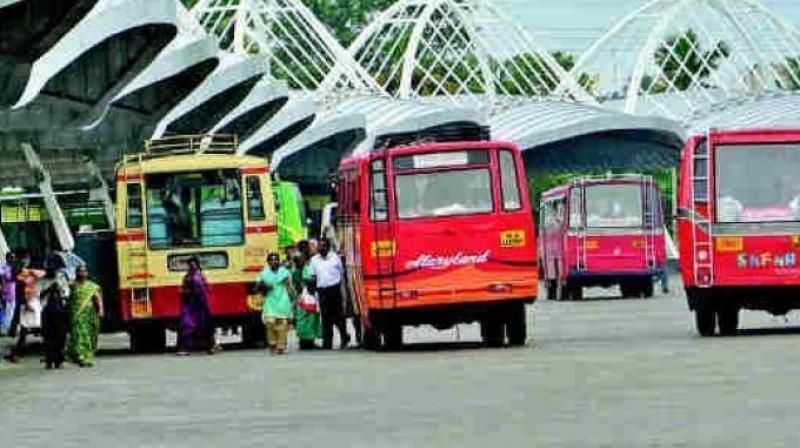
8 294
85 312
196 332
276 283
307 318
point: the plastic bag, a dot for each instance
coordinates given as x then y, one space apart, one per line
308 302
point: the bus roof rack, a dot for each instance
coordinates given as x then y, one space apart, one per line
451 132
191 144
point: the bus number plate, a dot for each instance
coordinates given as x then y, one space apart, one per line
512 238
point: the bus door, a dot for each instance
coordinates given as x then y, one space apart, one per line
132 249
553 237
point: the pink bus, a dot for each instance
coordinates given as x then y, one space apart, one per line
601 231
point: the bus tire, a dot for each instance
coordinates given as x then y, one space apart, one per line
254 334
728 321
627 290
370 339
148 337
550 289
647 288
705 320
575 292
562 291
492 331
516 327
393 337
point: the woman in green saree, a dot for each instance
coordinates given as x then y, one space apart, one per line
85 311
306 318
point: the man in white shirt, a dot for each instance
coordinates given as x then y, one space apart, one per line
326 272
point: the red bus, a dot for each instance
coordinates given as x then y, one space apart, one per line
602 231
439 234
739 225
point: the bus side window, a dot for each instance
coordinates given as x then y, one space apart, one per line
255 201
378 192
508 182
133 217
354 197
575 209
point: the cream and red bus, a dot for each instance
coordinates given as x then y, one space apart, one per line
184 197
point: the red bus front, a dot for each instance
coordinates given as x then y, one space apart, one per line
446 236
610 232
739 225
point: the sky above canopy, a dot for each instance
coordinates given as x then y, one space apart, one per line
572 25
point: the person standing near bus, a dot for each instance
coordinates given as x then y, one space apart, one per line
196 331
85 312
53 292
29 310
326 271
8 294
276 283
307 318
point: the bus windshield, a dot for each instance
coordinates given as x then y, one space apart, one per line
614 205
200 209
758 183
444 193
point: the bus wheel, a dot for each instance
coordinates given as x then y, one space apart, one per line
492 331
728 319
148 338
254 334
627 289
647 288
393 337
562 290
705 320
550 288
516 327
370 339
575 292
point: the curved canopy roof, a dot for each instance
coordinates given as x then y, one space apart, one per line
354 125
770 112
577 137
679 58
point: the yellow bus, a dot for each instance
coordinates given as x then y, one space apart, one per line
188 196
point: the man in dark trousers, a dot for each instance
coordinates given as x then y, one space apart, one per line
326 271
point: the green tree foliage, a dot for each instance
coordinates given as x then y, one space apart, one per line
792 75
683 61
346 18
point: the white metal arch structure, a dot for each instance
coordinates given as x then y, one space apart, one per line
678 58
459 49
298 48
106 19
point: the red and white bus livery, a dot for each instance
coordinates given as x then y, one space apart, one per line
601 231
739 225
439 234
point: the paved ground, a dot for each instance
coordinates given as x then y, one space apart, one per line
603 372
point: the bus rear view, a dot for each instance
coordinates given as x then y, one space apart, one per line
602 231
445 237
740 225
